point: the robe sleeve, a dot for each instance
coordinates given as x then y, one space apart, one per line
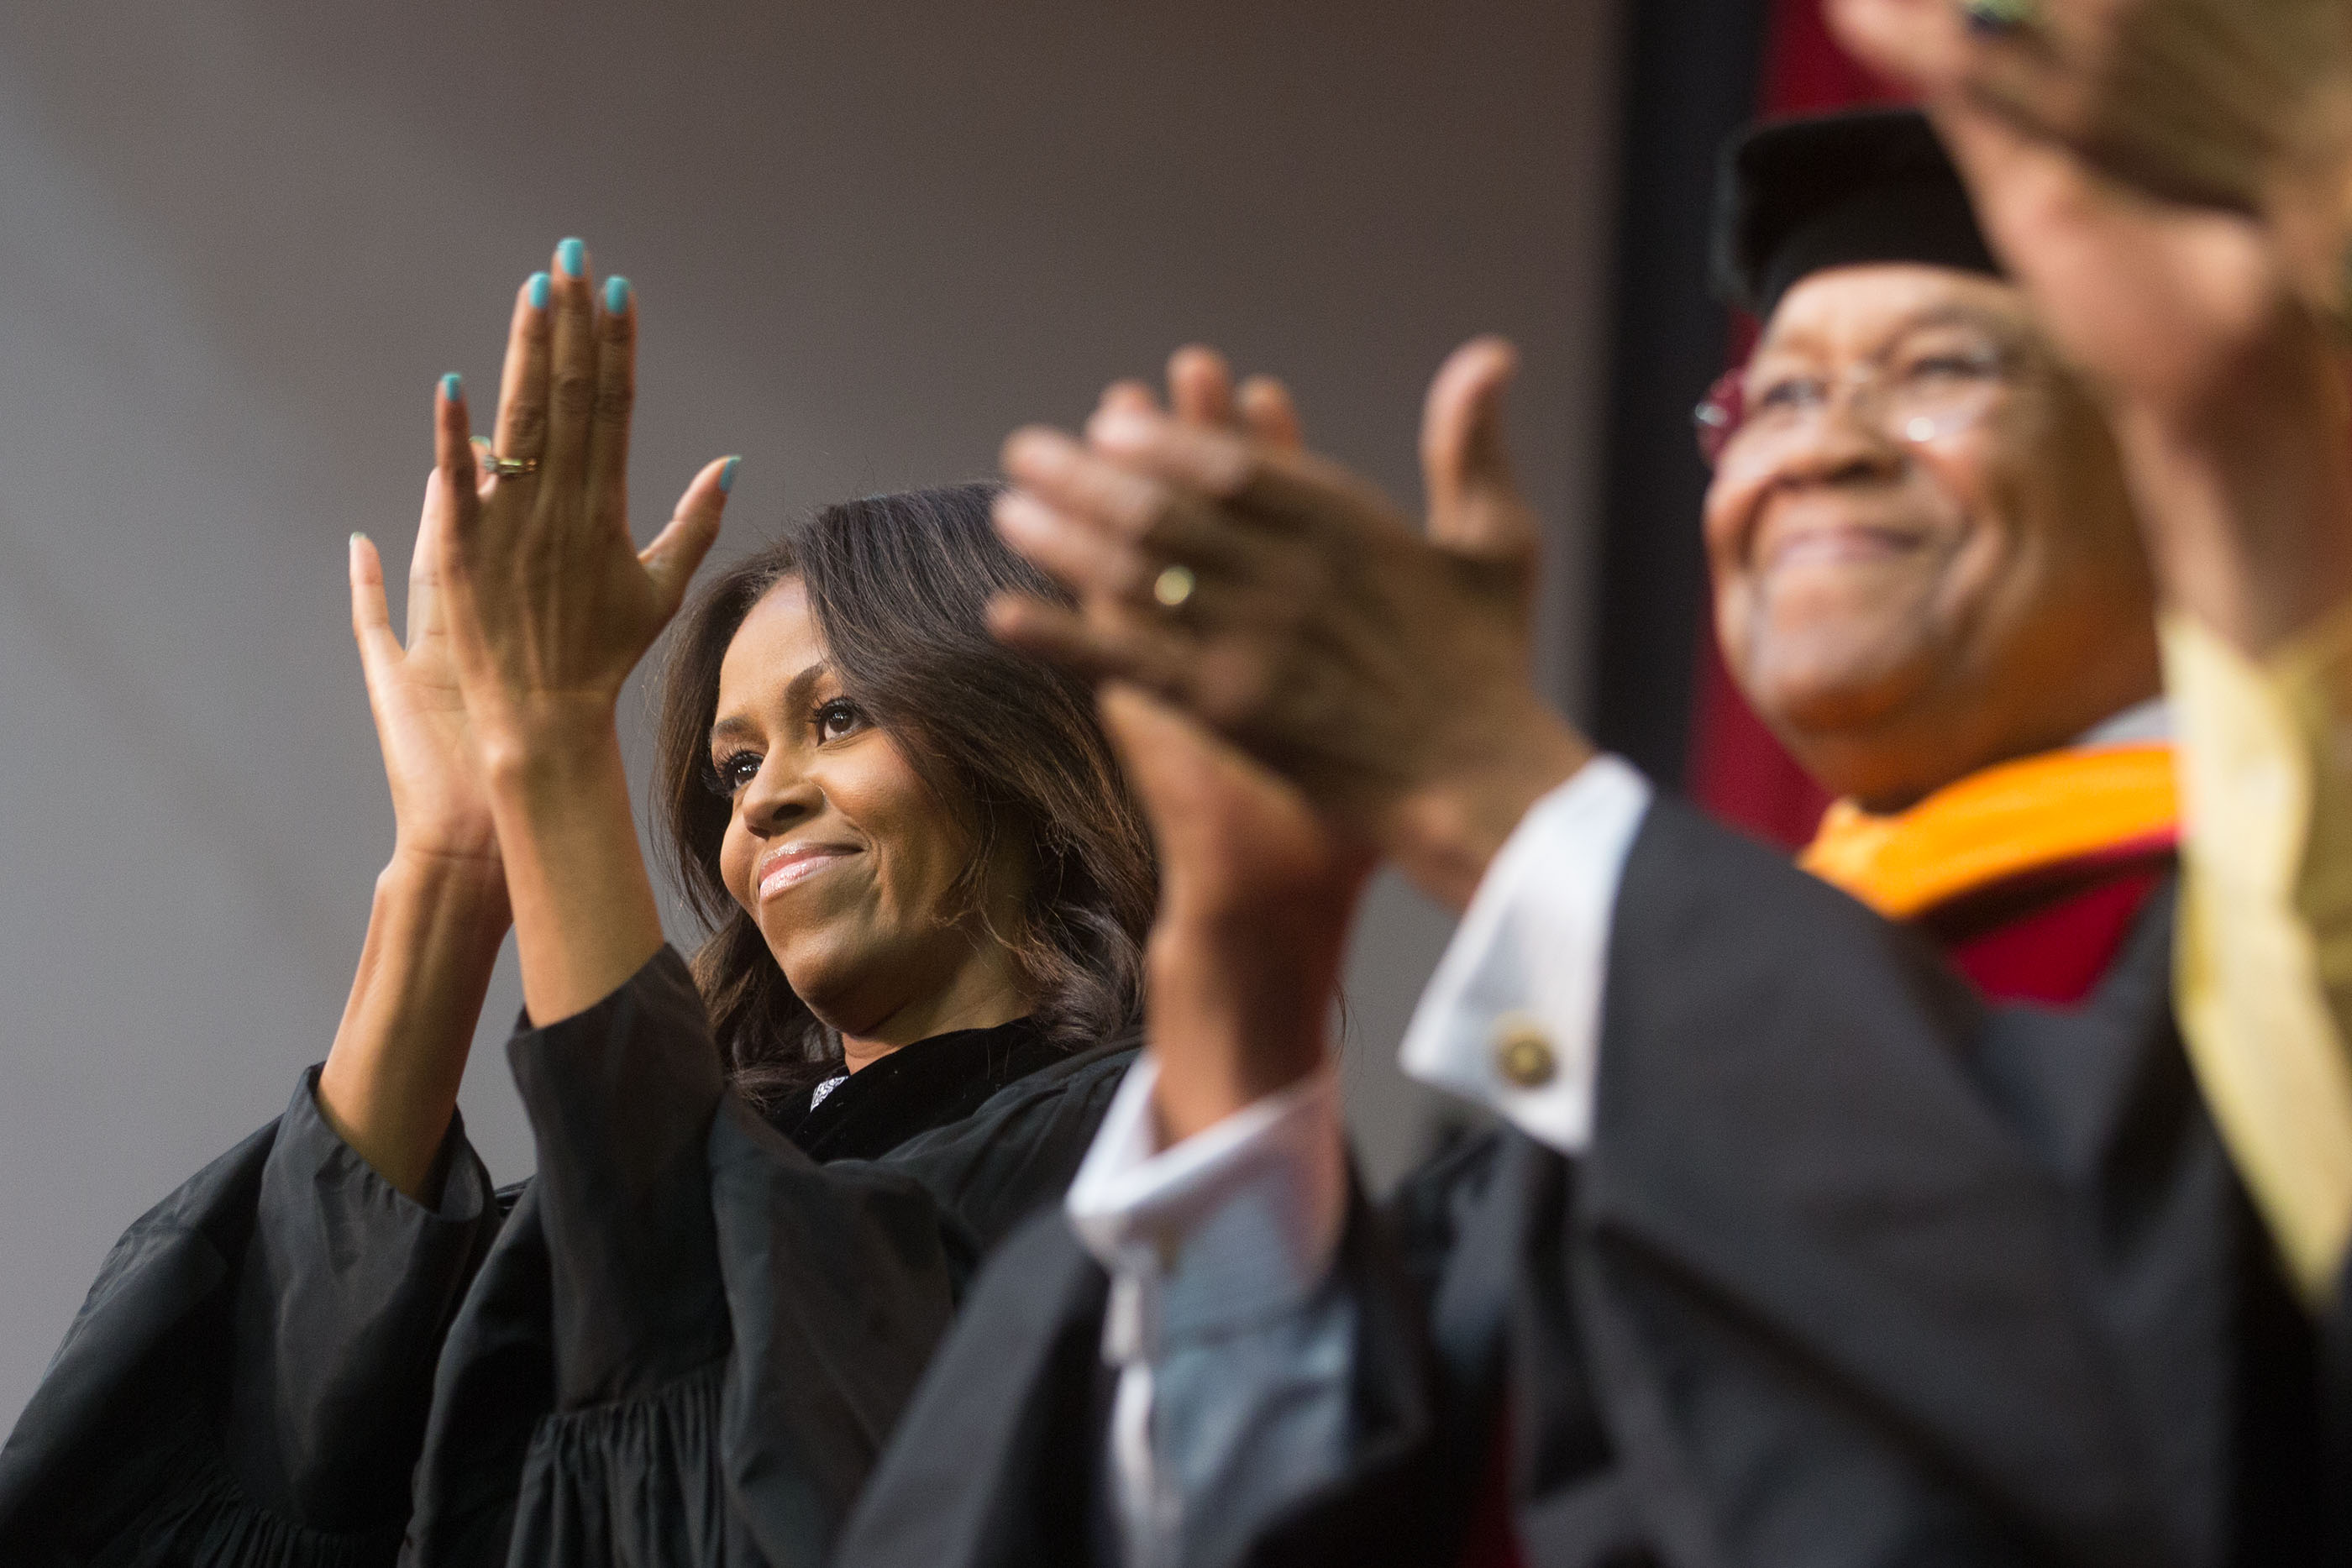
248 1381
621 1097
736 1328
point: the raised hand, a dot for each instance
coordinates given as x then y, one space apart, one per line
440 800
1257 891
389 1084
2240 105
2195 100
1256 894
1289 604
550 606
2224 386
1200 392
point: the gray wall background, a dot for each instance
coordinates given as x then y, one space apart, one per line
239 239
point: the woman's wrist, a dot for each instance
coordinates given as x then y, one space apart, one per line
549 749
585 919
465 892
424 868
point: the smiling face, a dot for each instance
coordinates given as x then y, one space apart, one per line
1903 611
843 854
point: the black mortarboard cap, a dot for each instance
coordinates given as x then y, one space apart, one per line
1794 196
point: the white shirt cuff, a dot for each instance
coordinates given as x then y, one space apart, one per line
1231 1224
1512 1018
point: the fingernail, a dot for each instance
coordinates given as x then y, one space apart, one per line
536 288
453 387
727 476
356 538
482 442
617 294
571 256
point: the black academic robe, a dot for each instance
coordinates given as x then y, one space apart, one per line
1858 1270
684 1341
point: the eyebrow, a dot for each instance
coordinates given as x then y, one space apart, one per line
735 726
1953 313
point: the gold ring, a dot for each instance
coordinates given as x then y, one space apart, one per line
509 467
1173 586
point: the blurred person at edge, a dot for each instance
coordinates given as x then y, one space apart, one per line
763 1179
1792 1246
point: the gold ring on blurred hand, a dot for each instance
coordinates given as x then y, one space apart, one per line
509 467
1173 586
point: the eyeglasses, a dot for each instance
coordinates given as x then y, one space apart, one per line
1917 398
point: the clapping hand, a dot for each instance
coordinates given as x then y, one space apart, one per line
440 802
1257 890
1256 894
1289 604
551 603
2239 105
2190 300
550 606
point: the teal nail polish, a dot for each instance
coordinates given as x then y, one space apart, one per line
538 290
453 387
617 294
571 256
727 476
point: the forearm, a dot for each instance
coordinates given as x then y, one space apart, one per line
585 915
390 1085
621 1096
1235 1016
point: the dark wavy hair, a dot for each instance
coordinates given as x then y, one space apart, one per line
900 585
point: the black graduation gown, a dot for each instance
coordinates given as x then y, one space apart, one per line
1857 1271
685 1343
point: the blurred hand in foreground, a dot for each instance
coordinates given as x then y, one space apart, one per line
1285 603
2224 384
2242 105
1256 892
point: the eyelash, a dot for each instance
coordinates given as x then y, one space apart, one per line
717 777
720 777
841 705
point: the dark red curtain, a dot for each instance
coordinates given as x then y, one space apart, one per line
1736 769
